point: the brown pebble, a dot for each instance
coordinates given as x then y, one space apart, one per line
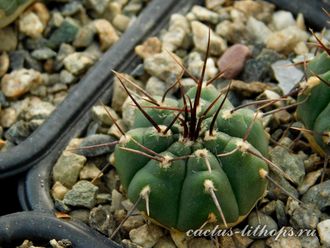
233 60
150 47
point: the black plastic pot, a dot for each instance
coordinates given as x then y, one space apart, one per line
94 86
34 191
36 226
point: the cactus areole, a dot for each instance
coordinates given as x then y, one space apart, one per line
195 160
314 110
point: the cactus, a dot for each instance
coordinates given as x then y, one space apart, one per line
10 9
194 160
314 99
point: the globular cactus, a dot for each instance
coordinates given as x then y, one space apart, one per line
194 160
314 99
10 9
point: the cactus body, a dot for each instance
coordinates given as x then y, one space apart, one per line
180 185
10 9
314 110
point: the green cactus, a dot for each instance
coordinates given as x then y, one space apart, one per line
10 10
314 110
194 160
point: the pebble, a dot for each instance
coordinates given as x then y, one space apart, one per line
103 115
67 77
233 60
155 86
200 242
309 180
67 168
163 66
286 74
8 117
165 242
281 214
43 54
323 228
18 132
101 219
305 217
19 82
31 25
249 90
80 214
106 33
59 190
286 39
282 19
205 15
258 30
290 241
133 222
259 221
89 171
149 47
261 10
233 32
309 241
121 22
174 39
9 39
38 109
78 62
146 236
4 63
86 146
82 194
66 33
200 37
115 132
259 68
291 164
318 194
195 66
98 5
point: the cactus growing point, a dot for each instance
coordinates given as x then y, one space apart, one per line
193 160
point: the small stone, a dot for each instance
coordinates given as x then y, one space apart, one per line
323 229
133 222
203 14
149 47
82 194
129 244
85 36
116 200
200 242
285 40
38 109
280 214
306 217
64 51
146 236
31 25
233 60
286 74
258 30
103 198
80 214
8 39
284 241
258 244
67 77
4 63
78 62
301 48
18 132
309 180
66 33
106 33
283 19
101 219
121 22
248 89
8 117
319 195
259 68
200 37
67 168
174 39
233 32
259 221
19 82
43 53
59 190
195 65
260 10
98 6
41 11
103 115
89 171
96 140
115 132
214 4
309 241
240 240
163 66
155 86
179 21
165 242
